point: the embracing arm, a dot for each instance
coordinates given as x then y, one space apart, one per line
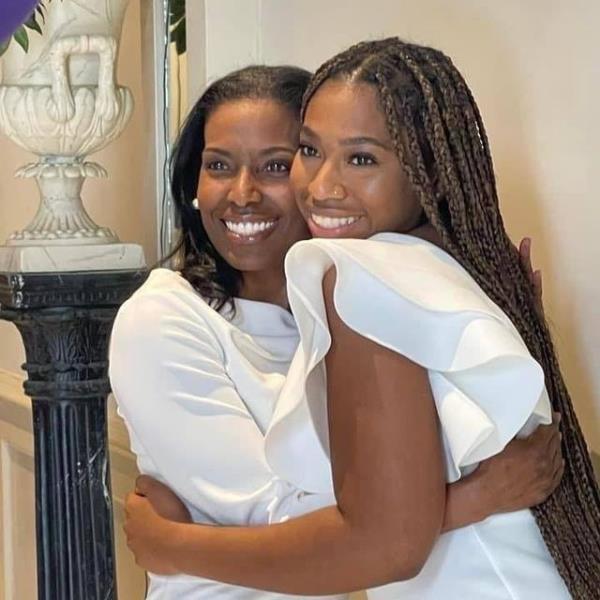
524 474
288 557
389 484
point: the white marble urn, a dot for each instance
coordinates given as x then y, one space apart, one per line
60 101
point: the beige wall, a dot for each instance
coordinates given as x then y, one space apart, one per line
124 202
534 69
119 202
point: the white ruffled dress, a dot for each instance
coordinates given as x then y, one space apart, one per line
411 297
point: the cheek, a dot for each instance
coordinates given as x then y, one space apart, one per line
374 190
209 225
210 191
390 204
282 194
401 200
300 178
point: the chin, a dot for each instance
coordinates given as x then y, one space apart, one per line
251 264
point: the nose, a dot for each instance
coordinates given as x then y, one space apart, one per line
244 189
327 184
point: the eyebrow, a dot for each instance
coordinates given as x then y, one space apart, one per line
216 151
351 141
270 150
363 139
273 149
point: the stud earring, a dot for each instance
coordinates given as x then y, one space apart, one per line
195 203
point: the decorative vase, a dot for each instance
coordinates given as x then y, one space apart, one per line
60 101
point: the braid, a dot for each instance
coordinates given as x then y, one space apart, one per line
438 134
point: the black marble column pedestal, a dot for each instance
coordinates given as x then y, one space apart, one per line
65 321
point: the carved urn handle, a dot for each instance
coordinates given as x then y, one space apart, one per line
62 105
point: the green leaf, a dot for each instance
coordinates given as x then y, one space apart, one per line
4 46
22 38
177 10
177 25
40 10
31 23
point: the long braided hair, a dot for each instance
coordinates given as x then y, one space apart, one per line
440 140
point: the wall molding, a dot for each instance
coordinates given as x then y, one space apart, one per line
15 406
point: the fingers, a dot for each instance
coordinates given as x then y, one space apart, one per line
534 277
148 486
552 469
144 484
545 435
560 471
525 257
541 438
556 451
555 437
555 480
128 499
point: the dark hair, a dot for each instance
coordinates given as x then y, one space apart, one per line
441 142
199 262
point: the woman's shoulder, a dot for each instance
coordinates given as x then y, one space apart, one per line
377 248
167 289
165 302
390 251
409 296
390 263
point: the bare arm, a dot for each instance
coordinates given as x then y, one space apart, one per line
386 453
524 474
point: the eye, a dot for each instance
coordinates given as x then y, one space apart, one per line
217 165
361 159
277 166
308 151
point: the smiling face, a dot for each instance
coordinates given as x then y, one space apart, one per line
348 179
246 203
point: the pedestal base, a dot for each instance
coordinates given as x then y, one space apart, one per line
69 258
65 320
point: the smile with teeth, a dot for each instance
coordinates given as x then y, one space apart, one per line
247 228
333 222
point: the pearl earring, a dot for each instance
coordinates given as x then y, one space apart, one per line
195 203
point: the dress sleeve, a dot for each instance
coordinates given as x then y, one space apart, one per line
411 297
185 417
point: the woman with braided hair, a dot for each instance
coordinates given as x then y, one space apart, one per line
415 342
429 117
438 135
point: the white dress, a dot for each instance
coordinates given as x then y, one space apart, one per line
410 296
197 393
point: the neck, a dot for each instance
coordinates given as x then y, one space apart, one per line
265 287
428 233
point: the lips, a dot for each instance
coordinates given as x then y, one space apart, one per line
335 225
333 222
249 229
